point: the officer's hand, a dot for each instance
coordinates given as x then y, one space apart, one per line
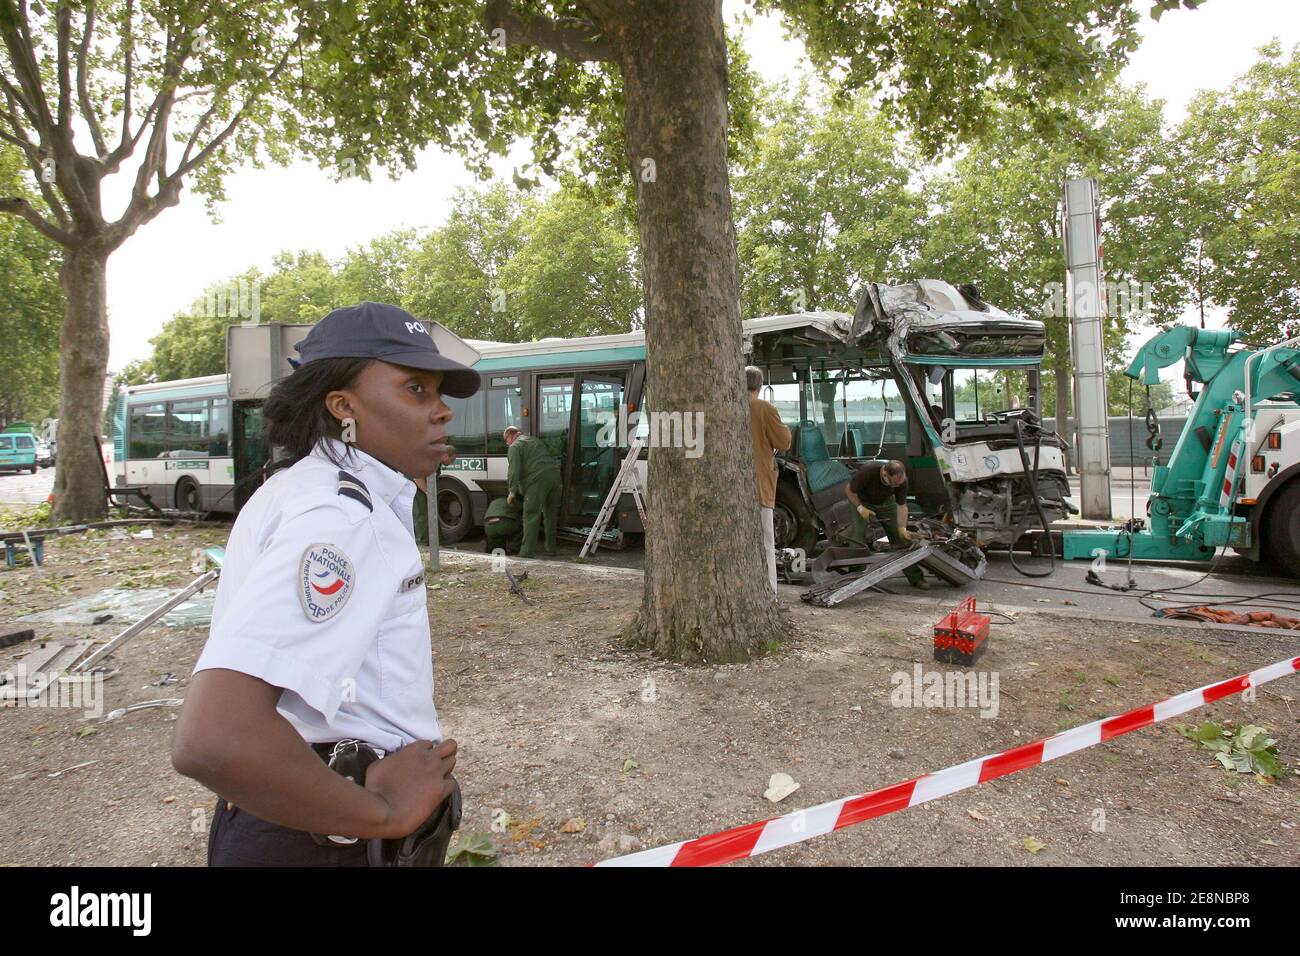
413 781
905 534
510 498
867 513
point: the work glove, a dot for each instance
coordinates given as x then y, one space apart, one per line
867 513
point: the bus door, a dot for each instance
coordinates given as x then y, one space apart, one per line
249 449
596 447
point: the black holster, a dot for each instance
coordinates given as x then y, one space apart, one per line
427 846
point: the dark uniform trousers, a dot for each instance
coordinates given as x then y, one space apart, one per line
237 838
887 514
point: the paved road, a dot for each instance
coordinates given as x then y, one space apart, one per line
25 488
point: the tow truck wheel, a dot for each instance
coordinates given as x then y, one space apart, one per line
1281 530
792 524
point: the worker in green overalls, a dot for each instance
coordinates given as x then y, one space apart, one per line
879 490
503 526
533 475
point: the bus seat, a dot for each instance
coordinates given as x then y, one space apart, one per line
823 470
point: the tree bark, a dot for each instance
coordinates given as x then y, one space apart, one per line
83 364
706 593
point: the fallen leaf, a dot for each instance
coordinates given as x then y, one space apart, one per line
1062 781
976 815
1033 846
629 765
573 825
780 786
85 731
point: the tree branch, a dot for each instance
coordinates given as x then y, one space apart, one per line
17 206
28 74
83 91
63 19
186 164
23 141
569 37
128 49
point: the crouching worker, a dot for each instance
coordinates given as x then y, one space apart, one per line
534 476
503 526
879 490
311 709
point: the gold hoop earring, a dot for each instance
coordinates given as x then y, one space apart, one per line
349 431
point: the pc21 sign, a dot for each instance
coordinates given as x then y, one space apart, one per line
469 464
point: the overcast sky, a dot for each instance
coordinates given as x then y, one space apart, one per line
169 261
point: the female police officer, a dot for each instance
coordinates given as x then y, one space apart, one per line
320 631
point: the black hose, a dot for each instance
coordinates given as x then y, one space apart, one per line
1038 506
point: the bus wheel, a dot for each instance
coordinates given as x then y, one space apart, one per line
1281 525
455 516
187 495
792 524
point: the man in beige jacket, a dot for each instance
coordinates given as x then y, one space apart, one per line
770 436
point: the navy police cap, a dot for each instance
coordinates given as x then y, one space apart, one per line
385 332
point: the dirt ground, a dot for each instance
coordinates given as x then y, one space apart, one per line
557 723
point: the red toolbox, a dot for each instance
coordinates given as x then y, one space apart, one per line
962 636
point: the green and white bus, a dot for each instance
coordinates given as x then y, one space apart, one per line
173 438
568 392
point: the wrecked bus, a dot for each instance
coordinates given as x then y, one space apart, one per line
929 375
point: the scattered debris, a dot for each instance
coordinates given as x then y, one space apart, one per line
573 825
143 705
78 766
629 765
16 637
127 605
976 815
780 786
515 589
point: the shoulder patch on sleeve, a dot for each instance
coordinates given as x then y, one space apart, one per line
354 488
326 579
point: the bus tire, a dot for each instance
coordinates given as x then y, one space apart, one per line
188 496
1281 530
792 522
455 515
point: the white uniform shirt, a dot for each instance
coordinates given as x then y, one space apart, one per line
322 593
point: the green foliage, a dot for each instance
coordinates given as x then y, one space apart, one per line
1236 169
33 308
473 848
1240 749
456 276
576 272
945 67
825 205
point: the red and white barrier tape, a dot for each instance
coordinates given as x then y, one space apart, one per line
756 838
